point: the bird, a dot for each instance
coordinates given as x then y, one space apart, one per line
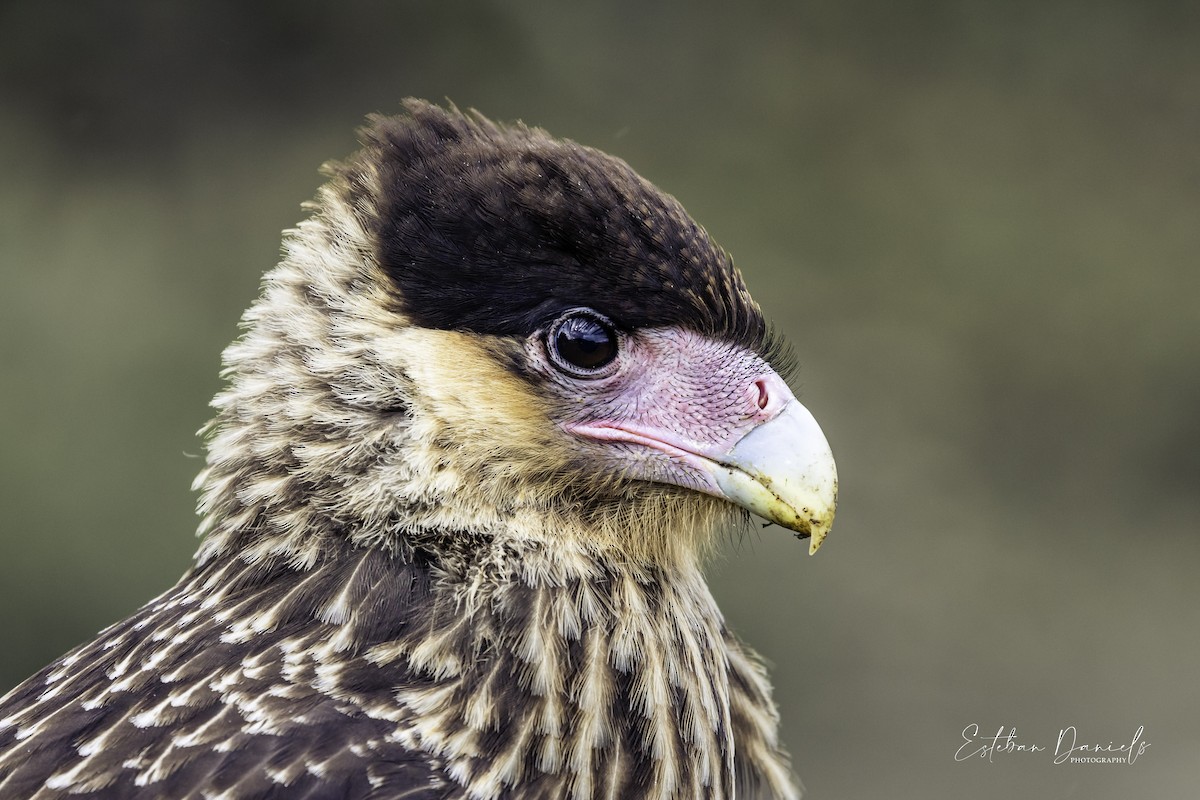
478 437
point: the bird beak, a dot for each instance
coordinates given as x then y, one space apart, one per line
783 471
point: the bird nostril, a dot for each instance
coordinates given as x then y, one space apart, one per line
764 398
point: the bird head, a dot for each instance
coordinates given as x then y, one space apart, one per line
482 332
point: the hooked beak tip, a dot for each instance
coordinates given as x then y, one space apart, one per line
783 470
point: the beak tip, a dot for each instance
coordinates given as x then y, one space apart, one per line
817 537
784 471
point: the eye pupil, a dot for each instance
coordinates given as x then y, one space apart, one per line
583 341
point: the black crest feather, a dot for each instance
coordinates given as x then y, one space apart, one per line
455 200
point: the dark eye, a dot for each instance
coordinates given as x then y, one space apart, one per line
582 342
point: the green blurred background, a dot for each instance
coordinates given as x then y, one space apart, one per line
978 222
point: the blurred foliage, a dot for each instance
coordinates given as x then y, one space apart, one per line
979 223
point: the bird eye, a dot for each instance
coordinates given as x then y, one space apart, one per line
582 342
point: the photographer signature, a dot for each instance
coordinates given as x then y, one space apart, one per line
1067 749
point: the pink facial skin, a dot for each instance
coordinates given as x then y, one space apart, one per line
672 402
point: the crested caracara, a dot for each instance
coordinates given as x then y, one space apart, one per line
480 428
